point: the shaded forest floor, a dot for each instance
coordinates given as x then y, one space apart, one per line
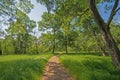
55 71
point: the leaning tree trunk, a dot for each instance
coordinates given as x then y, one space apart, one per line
105 32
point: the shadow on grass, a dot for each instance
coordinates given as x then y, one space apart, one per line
25 69
82 53
92 69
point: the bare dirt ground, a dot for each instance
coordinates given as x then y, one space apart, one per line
55 71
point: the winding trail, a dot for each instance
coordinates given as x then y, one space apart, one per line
55 71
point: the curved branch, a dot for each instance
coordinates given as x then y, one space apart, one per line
113 12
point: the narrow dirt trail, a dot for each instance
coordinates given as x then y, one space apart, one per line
55 71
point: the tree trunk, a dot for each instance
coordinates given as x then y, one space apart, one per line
112 47
105 32
36 45
0 51
53 51
66 44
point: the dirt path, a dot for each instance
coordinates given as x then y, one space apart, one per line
54 71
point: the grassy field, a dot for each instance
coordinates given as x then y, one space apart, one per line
22 67
90 67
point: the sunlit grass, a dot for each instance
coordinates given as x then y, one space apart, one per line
90 67
22 67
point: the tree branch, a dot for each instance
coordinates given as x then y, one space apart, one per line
117 10
84 11
113 12
95 12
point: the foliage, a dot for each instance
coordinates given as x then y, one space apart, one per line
8 9
19 31
115 32
64 26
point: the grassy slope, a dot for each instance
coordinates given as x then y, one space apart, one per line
22 67
90 67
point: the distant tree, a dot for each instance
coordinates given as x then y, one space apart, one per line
8 9
51 23
20 31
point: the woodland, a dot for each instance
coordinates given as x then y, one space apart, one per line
68 27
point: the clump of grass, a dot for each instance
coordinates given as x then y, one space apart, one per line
22 67
90 67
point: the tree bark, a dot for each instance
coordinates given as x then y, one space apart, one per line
0 51
53 49
105 32
66 44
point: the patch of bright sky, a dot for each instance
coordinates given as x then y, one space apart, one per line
36 14
38 10
106 13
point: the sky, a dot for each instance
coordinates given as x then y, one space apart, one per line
38 10
36 14
106 13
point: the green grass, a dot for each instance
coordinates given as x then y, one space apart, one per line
22 67
90 67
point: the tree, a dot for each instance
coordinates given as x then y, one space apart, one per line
69 15
0 47
50 22
104 28
8 9
20 31
8 46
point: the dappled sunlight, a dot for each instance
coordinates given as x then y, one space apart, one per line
55 71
